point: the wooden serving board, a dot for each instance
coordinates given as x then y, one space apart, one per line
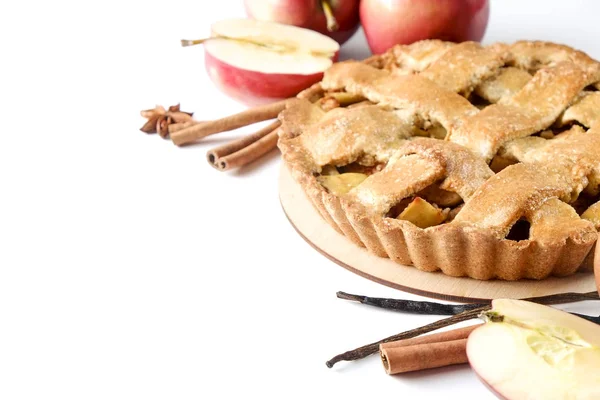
335 246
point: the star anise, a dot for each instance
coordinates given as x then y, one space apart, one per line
159 119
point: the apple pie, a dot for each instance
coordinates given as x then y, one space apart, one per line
479 161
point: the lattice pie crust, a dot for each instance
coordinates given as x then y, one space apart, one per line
492 138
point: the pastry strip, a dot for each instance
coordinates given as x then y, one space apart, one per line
576 148
403 176
463 67
532 109
465 172
586 110
516 191
555 221
343 136
411 92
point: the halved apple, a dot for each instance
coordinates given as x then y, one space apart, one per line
531 351
258 61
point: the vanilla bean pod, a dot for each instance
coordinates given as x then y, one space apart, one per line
432 308
410 306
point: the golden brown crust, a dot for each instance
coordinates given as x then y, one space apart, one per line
403 176
464 171
533 108
415 86
522 188
463 67
368 131
508 82
575 148
413 93
586 110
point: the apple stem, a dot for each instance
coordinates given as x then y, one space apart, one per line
186 42
275 47
332 24
279 48
491 316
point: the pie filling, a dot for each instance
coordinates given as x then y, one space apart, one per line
430 207
434 206
340 180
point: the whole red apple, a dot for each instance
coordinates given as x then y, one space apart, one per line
390 22
309 14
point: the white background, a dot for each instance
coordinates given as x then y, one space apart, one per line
130 269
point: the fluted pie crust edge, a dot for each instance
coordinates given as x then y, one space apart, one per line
453 250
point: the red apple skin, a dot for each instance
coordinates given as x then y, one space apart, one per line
390 22
308 14
291 12
253 88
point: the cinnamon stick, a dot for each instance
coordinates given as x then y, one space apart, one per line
397 360
180 126
446 336
245 150
192 133
250 153
427 351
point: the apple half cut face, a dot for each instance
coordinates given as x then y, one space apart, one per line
530 351
259 62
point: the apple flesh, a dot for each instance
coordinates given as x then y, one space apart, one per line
390 22
531 351
340 184
271 61
308 14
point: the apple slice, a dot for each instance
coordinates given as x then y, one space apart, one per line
259 61
340 184
531 351
421 213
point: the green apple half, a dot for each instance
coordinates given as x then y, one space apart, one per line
530 351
